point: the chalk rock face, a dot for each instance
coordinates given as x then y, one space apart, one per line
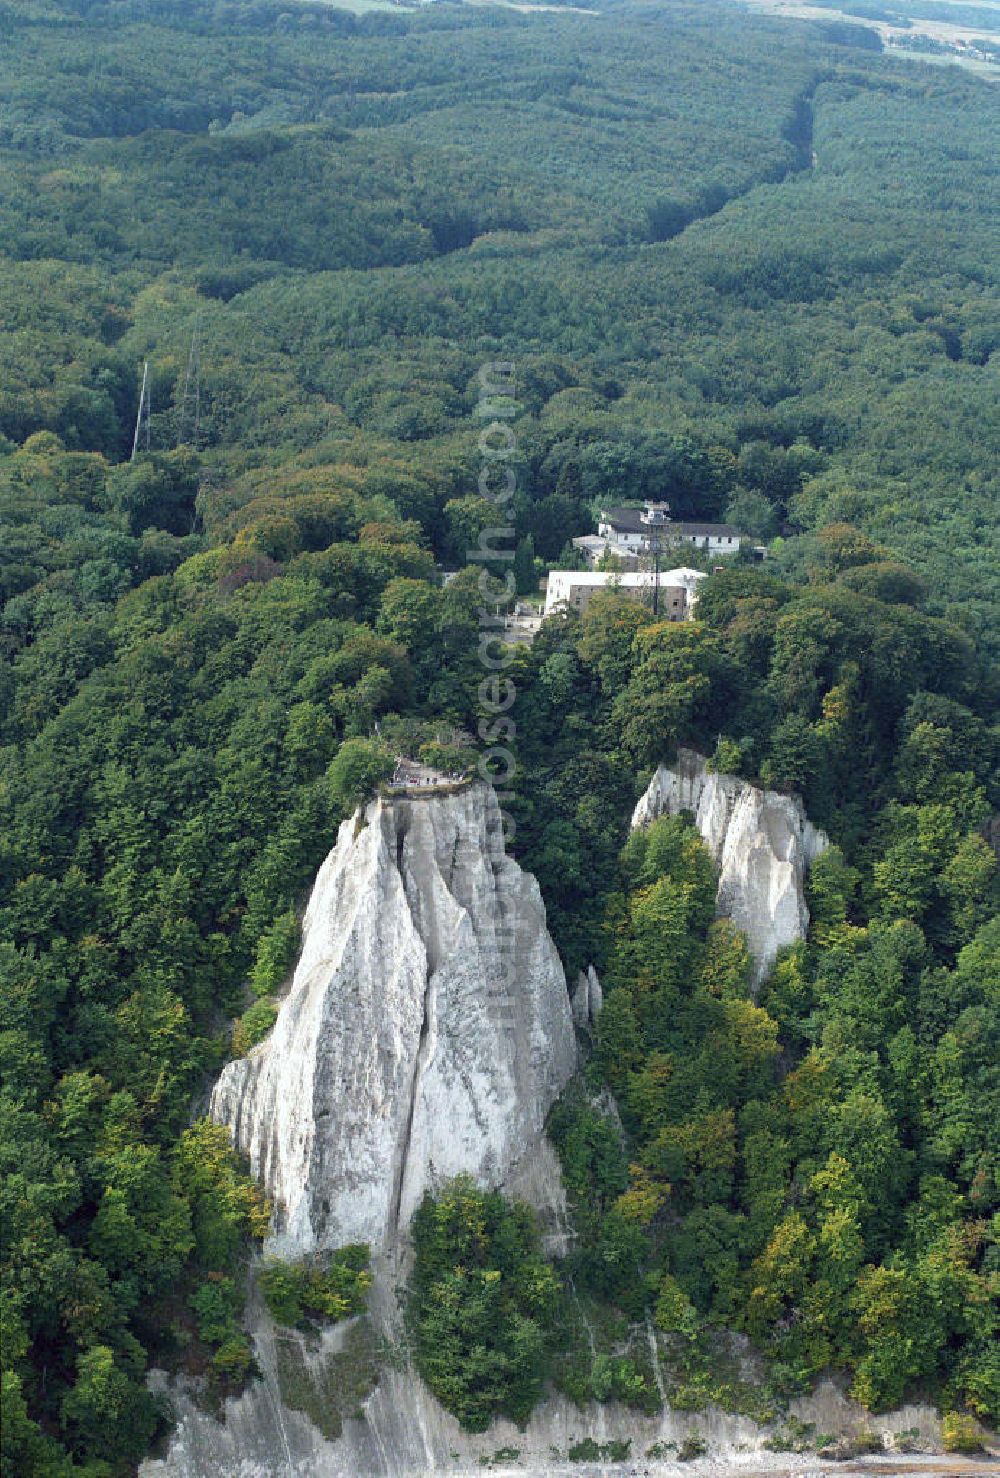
427 1031
762 842
587 999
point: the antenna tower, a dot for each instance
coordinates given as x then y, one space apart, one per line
656 517
141 437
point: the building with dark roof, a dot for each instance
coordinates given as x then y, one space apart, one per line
633 531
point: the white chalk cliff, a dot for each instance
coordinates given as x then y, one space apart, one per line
762 842
427 1031
587 999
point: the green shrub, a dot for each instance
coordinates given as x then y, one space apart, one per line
617 1378
728 757
281 1285
253 1026
233 1360
482 1304
795 1436
276 951
961 1432
691 1448
449 758
216 1304
358 769
589 1451
322 1290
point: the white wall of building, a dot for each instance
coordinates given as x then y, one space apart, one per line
573 589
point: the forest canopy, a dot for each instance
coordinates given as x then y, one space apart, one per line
740 264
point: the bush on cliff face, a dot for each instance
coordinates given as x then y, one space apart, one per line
961 1433
254 1025
276 953
482 1304
325 1289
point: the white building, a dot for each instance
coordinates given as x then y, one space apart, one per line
574 589
593 547
633 531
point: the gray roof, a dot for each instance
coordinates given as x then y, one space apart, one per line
629 521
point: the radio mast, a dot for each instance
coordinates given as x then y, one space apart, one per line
142 419
656 518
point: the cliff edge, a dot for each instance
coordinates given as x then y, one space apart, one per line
427 1031
761 840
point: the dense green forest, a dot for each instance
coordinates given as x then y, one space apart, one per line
744 264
